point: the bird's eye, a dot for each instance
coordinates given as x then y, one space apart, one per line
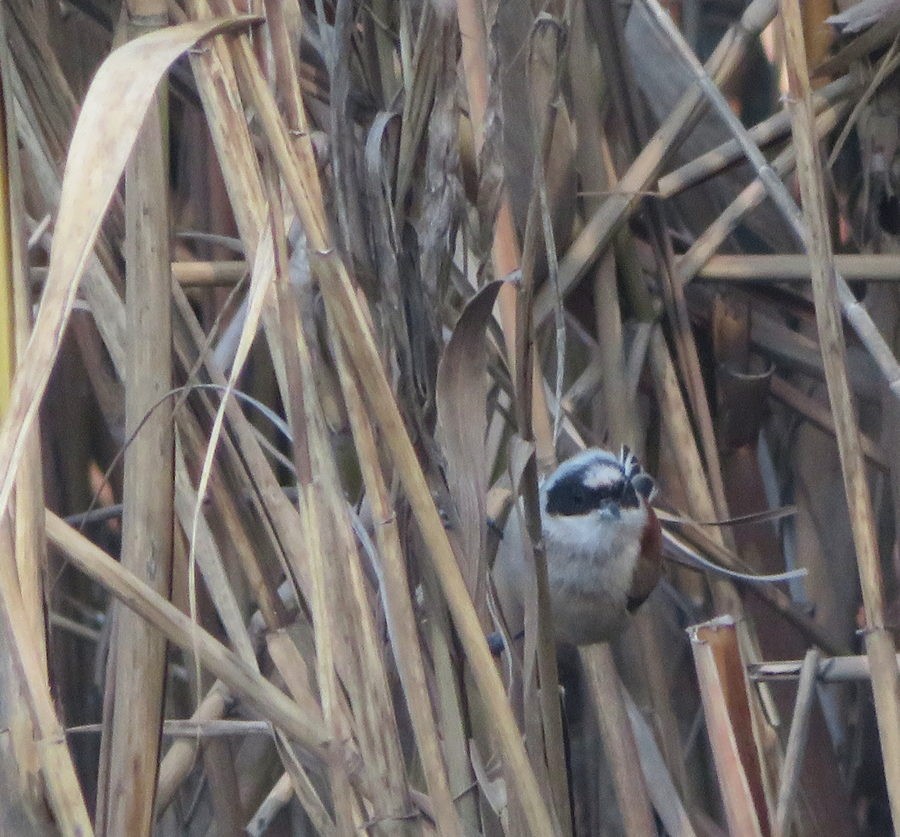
578 496
569 497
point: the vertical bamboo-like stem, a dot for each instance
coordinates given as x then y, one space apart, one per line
618 740
400 616
505 251
879 640
515 318
796 746
17 787
138 657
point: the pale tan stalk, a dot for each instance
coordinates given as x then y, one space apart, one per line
338 595
505 252
619 205
856 315
722 680
796 745
181 755
775 127
258 693
21 786
827 293
353 326
618 740
752 269
395 591
63 790
206 274
706 244
138 654
30 545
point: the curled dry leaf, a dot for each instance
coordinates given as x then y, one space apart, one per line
462 386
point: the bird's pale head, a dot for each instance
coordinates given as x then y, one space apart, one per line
596 489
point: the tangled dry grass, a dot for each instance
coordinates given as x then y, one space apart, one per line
298 297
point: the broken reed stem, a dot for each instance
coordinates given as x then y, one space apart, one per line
826 294
722 680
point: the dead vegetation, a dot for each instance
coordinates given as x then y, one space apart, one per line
297 296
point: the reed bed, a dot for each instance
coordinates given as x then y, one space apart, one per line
298 298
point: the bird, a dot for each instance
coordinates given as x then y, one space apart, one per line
602 542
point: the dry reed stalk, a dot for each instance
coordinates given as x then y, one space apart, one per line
796 745
618 740
681 443
506 260
36 740
623 427
64 794
210 561
618 206
181 755
828 293
726 705
729 152
856 315
708 242
660 787
844 669
301 183
363 670
138 653
401 624
86 192
866 267
258 693
353 328
30 543
204 274
545 46
820 415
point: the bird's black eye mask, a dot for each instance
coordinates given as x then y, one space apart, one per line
570 496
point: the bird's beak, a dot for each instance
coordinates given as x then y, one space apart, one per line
611 509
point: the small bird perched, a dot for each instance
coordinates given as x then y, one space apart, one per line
603 545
